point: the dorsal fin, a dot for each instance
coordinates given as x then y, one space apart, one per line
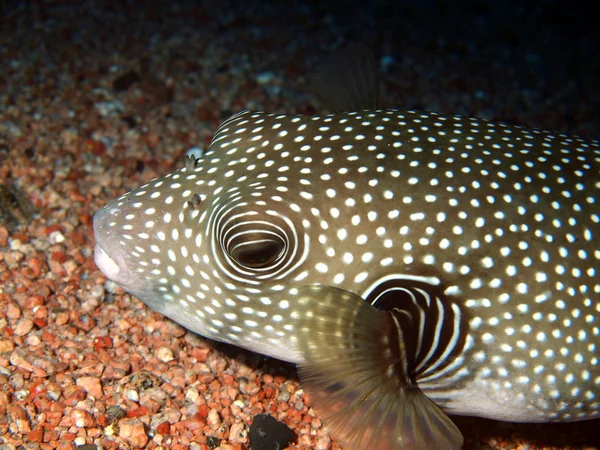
347 81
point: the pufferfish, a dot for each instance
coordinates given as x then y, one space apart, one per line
411 264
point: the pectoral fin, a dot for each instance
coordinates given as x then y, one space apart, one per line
356 374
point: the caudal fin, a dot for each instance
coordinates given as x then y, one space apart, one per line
355 372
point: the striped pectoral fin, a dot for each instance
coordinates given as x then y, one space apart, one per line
355 373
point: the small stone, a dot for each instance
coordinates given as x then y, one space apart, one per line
165 354
16 412
91 385
3 236
170 416
114 413
12 311
266 433
33 341
194 423
17 359
6 346
132 431
213 418
23 426
132 395
56 237
217 364
36 435
323 443
192 394
22 394
238 433
284 396
81 418
248 387
163 428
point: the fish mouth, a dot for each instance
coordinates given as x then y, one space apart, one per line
110 257
114 266
106 264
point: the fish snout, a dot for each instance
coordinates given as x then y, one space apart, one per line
112 255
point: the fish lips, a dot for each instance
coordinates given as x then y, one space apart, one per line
111 258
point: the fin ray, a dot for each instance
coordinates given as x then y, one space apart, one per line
356 381
348 80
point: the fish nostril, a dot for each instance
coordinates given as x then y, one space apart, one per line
194 202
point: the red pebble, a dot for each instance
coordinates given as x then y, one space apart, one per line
40 323
194 423
59 257
203 411
53 228
36 435
163 428
138 412
70 437
102 420
103 342
21 237
96 147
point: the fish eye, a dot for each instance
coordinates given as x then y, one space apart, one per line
257 254
256 245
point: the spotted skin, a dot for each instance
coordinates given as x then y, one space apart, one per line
481 236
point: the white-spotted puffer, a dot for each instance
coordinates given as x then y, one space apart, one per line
390 254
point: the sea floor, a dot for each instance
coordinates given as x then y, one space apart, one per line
99 97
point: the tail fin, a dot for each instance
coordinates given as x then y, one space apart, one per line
356 374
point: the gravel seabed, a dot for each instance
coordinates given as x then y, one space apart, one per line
84 365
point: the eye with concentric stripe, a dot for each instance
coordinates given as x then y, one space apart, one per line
256 249
253 244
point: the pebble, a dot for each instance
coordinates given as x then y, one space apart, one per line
170 415
17 359
192 394
284 396
109 108
323 443
22 394
56 237
132 395
249 387
82 418
165 354
267 433
91 385
238 433
13 312
6 346
213 418
217 364
132 431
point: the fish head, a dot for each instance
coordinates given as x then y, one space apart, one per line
221 244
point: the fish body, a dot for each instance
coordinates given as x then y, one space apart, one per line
485 234
390 254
